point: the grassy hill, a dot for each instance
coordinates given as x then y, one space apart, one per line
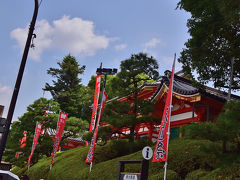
188 159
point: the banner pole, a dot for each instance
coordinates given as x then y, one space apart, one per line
54 139
94 138
100 111
91 167
29 161
105 72
95 103
165 170
168 133
101 103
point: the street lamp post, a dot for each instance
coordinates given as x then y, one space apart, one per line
105 72
19 80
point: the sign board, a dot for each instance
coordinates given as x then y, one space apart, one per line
130 176
142 175
147 152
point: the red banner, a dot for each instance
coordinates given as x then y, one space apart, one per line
60 127
94 138
161 149
95 103
35 140
19 154
23 140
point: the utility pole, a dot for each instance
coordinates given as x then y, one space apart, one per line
19 80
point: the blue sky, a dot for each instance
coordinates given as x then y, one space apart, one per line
93 31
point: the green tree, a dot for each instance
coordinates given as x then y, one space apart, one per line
74 127
27 122
67 89
136 70
228 123
120 115
110 90
215 40
226 128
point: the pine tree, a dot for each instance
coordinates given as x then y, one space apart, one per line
67 89
136 70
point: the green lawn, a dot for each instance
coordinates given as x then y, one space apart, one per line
188 159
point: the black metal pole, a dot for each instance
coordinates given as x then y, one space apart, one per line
19 80
102 95
144 170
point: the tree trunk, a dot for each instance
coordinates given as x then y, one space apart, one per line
135 112
131 139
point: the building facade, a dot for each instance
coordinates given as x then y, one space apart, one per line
189 105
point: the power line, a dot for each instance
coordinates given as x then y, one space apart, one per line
39 4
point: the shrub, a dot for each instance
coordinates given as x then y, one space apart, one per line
205 130
19 171
197 174
171 175
87 136
186 155
124 147
228 123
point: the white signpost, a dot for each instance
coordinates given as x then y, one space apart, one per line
130 177
147 152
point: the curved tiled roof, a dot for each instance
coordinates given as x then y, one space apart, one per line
52 132
78 139
180 86
185 87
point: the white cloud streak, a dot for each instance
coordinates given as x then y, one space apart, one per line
120 47
152 43
75 36
5 96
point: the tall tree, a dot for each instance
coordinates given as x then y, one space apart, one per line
120 115
111 91
74 127
67 89
27 122
136 70
215 41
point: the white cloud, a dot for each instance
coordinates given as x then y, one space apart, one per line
5 96
5 89
120 47
112 39
75 36
43 39
152 43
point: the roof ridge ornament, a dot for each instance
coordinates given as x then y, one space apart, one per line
167 74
